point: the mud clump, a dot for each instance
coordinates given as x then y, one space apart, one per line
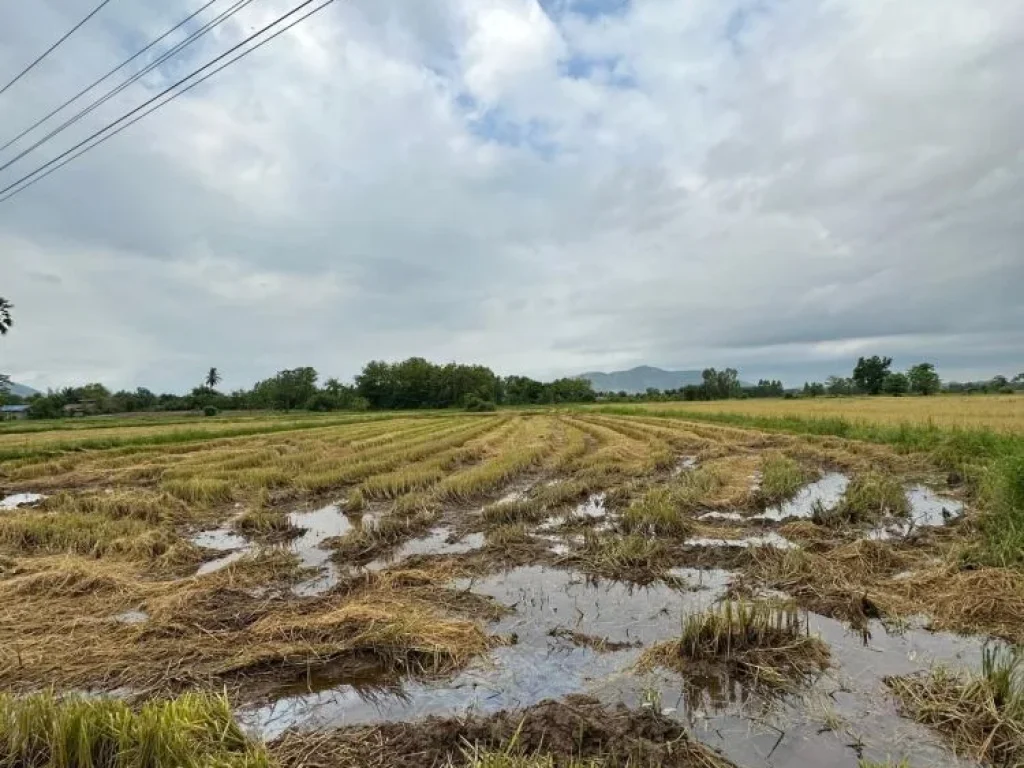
572 729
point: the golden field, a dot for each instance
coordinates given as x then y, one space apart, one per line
1004 413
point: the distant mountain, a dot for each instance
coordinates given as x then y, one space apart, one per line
21 390
639 379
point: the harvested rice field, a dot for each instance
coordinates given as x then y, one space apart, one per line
507 590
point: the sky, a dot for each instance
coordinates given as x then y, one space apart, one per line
546 187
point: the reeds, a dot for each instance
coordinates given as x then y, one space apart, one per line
781 478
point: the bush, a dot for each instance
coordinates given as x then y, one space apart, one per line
478 405
210 410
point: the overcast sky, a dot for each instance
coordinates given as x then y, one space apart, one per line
545 187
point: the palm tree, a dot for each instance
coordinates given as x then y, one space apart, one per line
212 378
5 316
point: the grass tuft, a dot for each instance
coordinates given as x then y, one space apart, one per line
781 478
192 731
981 715
868 498
762 641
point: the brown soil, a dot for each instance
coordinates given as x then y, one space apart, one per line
575 727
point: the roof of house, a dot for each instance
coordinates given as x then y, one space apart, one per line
13 408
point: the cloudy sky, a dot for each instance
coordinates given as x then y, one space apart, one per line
544 186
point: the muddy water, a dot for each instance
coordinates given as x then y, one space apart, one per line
787 733
927 510
825 492
770 539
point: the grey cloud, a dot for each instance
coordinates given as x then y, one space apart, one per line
844 180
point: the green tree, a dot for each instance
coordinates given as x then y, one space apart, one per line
213 378
896 384
837 385
813 389
923 379
6 321
870 372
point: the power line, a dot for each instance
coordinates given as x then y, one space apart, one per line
123 64
63 159
224 16
53 47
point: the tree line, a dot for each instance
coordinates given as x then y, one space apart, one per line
410 384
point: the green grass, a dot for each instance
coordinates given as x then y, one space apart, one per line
192 731
869 497
656 513
781 478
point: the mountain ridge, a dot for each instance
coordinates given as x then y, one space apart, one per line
640 378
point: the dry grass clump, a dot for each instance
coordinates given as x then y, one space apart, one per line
192 731
982 716
562 492
382 533
758 640
85 534
868 498
982 600
657 513
509 535
140 504
200 490
401 481
356 501
398 631
260 521
71 579
781 478
633 557
517 511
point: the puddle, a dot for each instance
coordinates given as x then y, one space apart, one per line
733 516
318 525
437 542
131 617
222 539
927 510
20 500
721 713
593 507
212 566
687 462
761 540
536 667
827 492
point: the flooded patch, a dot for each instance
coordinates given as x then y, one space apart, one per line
438 542
131 617
761 540
20 500
222 539
927 510
825 493
318 526
541 664
212 566
687 462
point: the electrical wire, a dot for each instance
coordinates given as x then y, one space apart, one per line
224 16
122 65
53 47
61 160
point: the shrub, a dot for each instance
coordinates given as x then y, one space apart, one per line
479 405
210 410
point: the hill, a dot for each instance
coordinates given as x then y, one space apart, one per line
21 390
640 378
